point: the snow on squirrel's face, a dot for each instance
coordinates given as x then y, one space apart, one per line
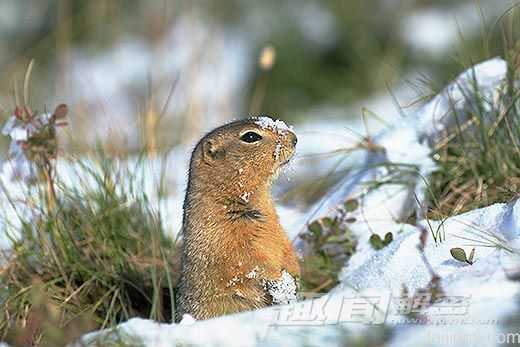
256 147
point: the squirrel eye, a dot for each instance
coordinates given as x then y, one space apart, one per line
251 137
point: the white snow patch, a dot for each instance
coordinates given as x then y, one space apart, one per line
435 117
187 319
277 125
284 290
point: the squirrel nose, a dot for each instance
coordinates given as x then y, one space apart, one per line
294 139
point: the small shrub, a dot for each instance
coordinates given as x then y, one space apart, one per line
331 244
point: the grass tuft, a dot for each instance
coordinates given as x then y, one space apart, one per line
479 160
95 257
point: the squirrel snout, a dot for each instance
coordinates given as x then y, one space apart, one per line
294 139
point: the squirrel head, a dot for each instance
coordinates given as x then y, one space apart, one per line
243 155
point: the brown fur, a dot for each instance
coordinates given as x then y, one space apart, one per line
233 243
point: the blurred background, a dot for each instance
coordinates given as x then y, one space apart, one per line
157 74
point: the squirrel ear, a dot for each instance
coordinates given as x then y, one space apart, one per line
211 152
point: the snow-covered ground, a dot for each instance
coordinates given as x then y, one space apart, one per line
476 297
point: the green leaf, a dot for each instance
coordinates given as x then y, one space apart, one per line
315 228
459 254
351 220
471 256
376 242
327 222
388 238
334 239
351 205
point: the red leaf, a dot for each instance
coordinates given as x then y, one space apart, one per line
61 111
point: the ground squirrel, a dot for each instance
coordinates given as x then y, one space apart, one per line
235 254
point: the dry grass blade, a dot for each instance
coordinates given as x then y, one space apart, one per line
26 82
